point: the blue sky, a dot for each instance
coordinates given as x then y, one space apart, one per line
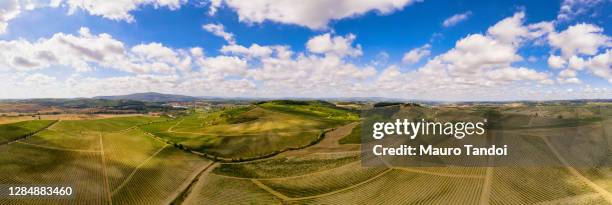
546 50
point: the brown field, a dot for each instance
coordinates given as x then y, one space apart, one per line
14 118
21 107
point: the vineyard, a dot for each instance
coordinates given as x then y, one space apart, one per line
157 160
251 132
106 161
14 131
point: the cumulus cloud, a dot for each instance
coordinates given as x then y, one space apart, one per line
516 74
314 14
479 67
601 65
159 58
9 9
572 8
254 50
556 62
113 10
85 51
476 51
117 10
511 30
219 30
309 75
266 70
283 72
457 18
38 79
480 61
582 47
214 4
223 66
337 45
478 64
579 39
416 54
91 86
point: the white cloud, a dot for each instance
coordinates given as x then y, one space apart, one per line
380 60
580 47
214 4
482 61
416 54
314 14
38 79
219 30
9 9
159 58
309 75
601 65
478 67
572 8
223 66
254 50
117 10
85 51
337 45
576 63
532 59
579 39
197 52
570 80
477 51
511 30
455 19
89 86
556 62
568 73
517 74
61 49
595 65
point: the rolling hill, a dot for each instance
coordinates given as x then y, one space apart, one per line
150 97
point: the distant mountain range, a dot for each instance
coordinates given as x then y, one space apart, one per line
161 97
150 97
154 97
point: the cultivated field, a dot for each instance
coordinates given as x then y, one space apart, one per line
328 177
252 132
147 160
106 161
14 131
17 118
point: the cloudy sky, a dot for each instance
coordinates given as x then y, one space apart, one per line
426 50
